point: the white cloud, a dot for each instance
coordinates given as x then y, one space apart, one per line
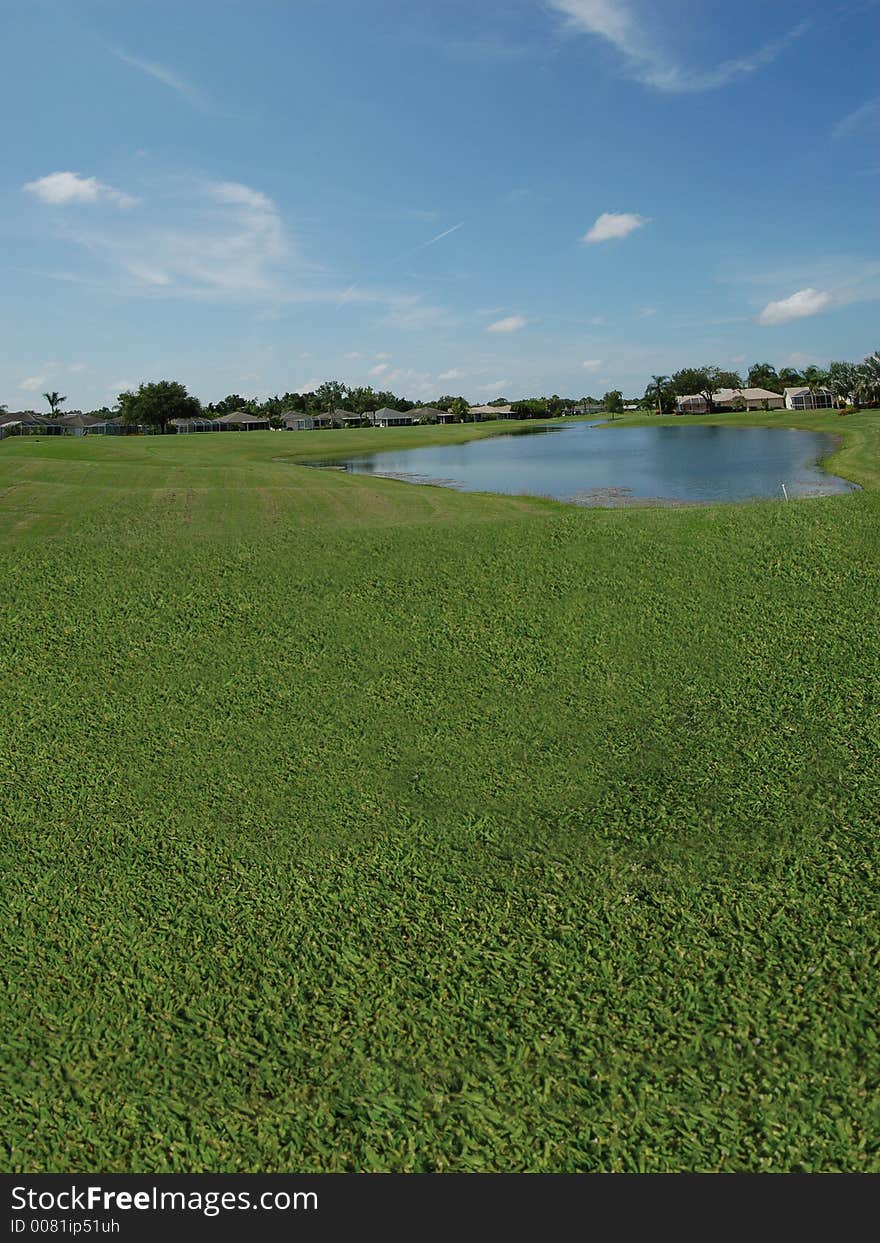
597 321
647 311
866 117
495 387
33 383
354 354
647 60
58 189
379 369
208 240
614 224
512 323
452 374
382 357
591 364
799 305
77 367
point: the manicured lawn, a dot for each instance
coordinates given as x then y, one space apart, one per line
355 825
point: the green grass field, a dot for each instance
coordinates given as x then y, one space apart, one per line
351 825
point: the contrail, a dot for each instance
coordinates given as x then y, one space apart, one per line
405 255
346 296
445 233
424 245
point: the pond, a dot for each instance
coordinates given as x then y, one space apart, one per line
586 464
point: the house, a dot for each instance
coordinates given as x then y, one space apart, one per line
391 418
197 423
731 399
297 421
492 412
77 424
241 421
348 418
25 423
803 399
585 407
431 414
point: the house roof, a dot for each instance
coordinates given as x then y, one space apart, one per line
78 420
240 416
731 394
25 416
397 414
802 388
490 409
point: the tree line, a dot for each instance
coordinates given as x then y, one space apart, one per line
850 383
155 404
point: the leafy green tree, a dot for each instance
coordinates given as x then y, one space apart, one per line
613 402
662 393
697 380
459 408
330 395
232 403
763 375
153 405
55 401
790 378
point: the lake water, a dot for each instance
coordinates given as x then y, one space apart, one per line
589 465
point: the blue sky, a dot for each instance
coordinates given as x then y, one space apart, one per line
511 198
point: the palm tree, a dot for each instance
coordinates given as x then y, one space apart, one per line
659 381
814 378
869 379
54 399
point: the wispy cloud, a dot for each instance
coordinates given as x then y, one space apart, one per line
798 306
61 189
32 383
867 117
168 77
612 225
379 369
591 364
648 61
452 374
495 387
511 323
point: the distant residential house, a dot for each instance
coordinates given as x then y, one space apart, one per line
26 422
78 424
197 423
803 399
585 407
348 418
731 399
431 414
492 412
242 421
391 418
297 421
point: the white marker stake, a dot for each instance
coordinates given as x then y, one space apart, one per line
784 493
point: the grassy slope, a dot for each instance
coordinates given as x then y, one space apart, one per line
359 825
